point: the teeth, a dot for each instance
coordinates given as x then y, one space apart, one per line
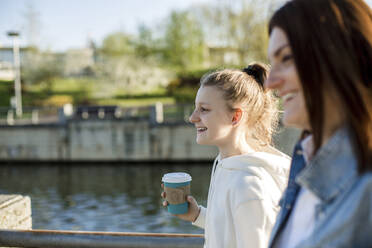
287 96
201 129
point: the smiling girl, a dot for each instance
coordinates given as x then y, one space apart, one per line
236 114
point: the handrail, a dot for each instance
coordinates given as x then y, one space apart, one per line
73 239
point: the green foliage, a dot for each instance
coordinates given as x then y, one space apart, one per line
145 46
79 89
187 78
185 94
46 74
185 86
127 66
183 41
58 100
135 101
76 91
6 92
41 69
240 25
141 96
117 44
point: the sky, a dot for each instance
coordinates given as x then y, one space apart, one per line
71 23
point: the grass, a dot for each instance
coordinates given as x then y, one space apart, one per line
81 91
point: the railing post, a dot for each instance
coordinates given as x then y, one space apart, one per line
10 117
85 114
101 113
187 111
35 116
156 113
118 113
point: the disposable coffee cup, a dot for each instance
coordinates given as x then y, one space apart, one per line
177 188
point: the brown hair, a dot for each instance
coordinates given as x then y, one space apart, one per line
331 42
245 87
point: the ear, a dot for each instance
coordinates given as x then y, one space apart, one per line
237 116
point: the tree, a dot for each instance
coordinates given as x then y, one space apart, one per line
42 68
242 26
145 46
117 44
124 63
248 33
183 40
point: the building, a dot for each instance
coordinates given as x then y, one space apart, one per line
6 61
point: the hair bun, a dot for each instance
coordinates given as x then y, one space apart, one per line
258 71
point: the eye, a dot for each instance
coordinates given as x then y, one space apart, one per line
287 58
203 109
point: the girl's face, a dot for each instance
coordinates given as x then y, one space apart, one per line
284 79
211 117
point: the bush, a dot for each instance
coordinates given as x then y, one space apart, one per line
192 78
185 94
6 92
58 100
185 86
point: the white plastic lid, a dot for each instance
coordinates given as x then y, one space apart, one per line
176 177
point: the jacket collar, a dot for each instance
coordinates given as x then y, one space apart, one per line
333 169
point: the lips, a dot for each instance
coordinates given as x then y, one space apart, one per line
201 129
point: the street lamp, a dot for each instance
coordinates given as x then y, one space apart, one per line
17 70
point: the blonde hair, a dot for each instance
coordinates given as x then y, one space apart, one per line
246 88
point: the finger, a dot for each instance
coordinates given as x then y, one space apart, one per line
191 199
162 194
165 203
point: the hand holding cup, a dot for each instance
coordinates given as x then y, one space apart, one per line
177 196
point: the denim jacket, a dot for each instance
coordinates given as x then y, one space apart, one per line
343 218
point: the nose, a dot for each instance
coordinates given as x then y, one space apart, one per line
194 117
273 81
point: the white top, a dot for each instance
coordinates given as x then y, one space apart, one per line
301 221
243 199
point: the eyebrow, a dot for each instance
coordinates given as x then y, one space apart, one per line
279 50
203 103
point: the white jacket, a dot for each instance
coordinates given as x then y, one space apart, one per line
243 199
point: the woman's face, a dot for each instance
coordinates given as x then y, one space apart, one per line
284 79
211 117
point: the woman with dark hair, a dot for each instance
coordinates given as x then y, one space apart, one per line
321 57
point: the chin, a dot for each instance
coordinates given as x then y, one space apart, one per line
202 141
294 121
289 120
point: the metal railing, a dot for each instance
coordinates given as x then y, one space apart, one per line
43 115
74 239
31 115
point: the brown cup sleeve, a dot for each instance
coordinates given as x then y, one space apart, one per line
177 195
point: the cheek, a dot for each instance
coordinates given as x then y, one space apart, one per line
295 114
292 75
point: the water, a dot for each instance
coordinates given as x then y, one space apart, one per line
101 197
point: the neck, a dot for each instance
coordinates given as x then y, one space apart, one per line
238 146
330 127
